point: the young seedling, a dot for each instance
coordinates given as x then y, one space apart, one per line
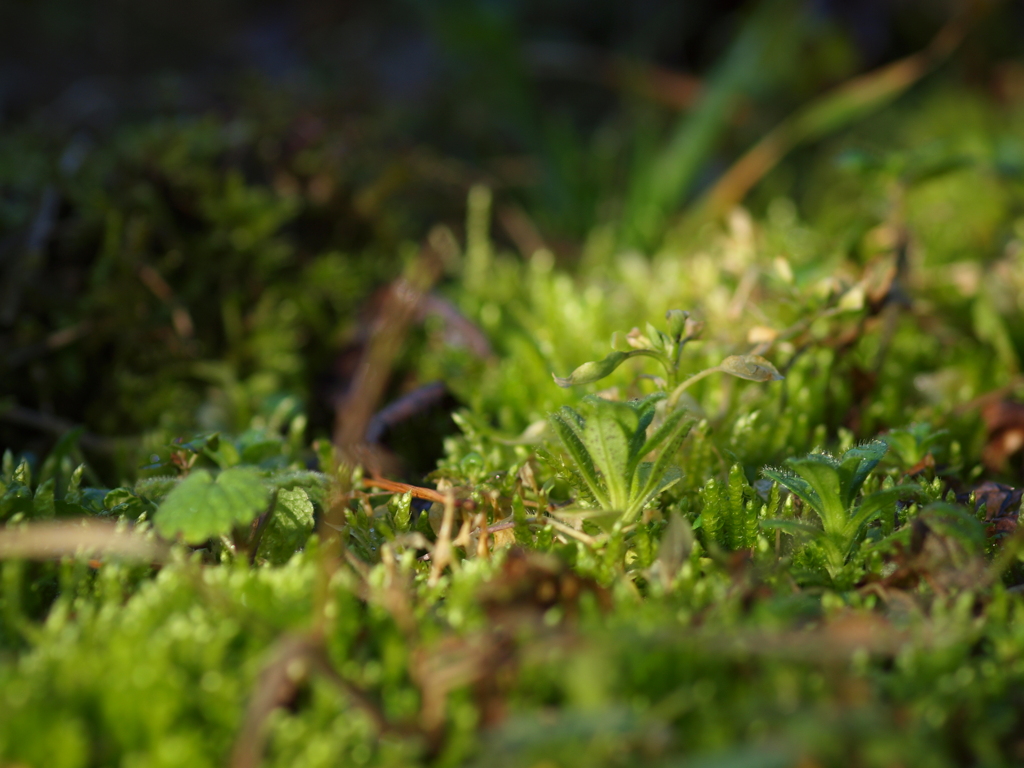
829 486
607 441
667 349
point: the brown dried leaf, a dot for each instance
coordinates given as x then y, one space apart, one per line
1004 422
1002 505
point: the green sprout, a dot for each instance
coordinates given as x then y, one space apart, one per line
667 349
607 443
829 487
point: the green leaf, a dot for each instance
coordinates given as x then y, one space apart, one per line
666 431
200 507
23 473
855 466
606 434
750 367
822 474
16 500
155 489
871 505
796 485
124 502
43 502
653 484
400 507
75 481
663 472
595 371
639 436
289 527
663 432
563 423
793 527
659 340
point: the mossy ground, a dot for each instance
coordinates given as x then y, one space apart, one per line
194 295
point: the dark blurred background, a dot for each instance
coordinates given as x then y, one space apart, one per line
197 197
556 101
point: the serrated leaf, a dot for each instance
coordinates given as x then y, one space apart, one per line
313 483
200 507
822 474
855 466
750 367
155 489
606 438
563 426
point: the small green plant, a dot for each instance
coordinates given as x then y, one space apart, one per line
608 440
914 447
201 506
254 500
731 513
829 487
667 349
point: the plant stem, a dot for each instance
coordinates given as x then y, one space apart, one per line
674 397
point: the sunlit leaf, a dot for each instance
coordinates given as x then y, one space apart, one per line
750 367
201 507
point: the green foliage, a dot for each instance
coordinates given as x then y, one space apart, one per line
202 507
667 349
199 276
731 513
607 442
830 487
910 446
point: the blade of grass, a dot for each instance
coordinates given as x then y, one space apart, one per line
849 102
663 184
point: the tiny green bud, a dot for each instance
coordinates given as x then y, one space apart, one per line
677 322
592 371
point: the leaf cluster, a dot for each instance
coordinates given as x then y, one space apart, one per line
608 441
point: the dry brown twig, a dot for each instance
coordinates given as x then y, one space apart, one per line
79 538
